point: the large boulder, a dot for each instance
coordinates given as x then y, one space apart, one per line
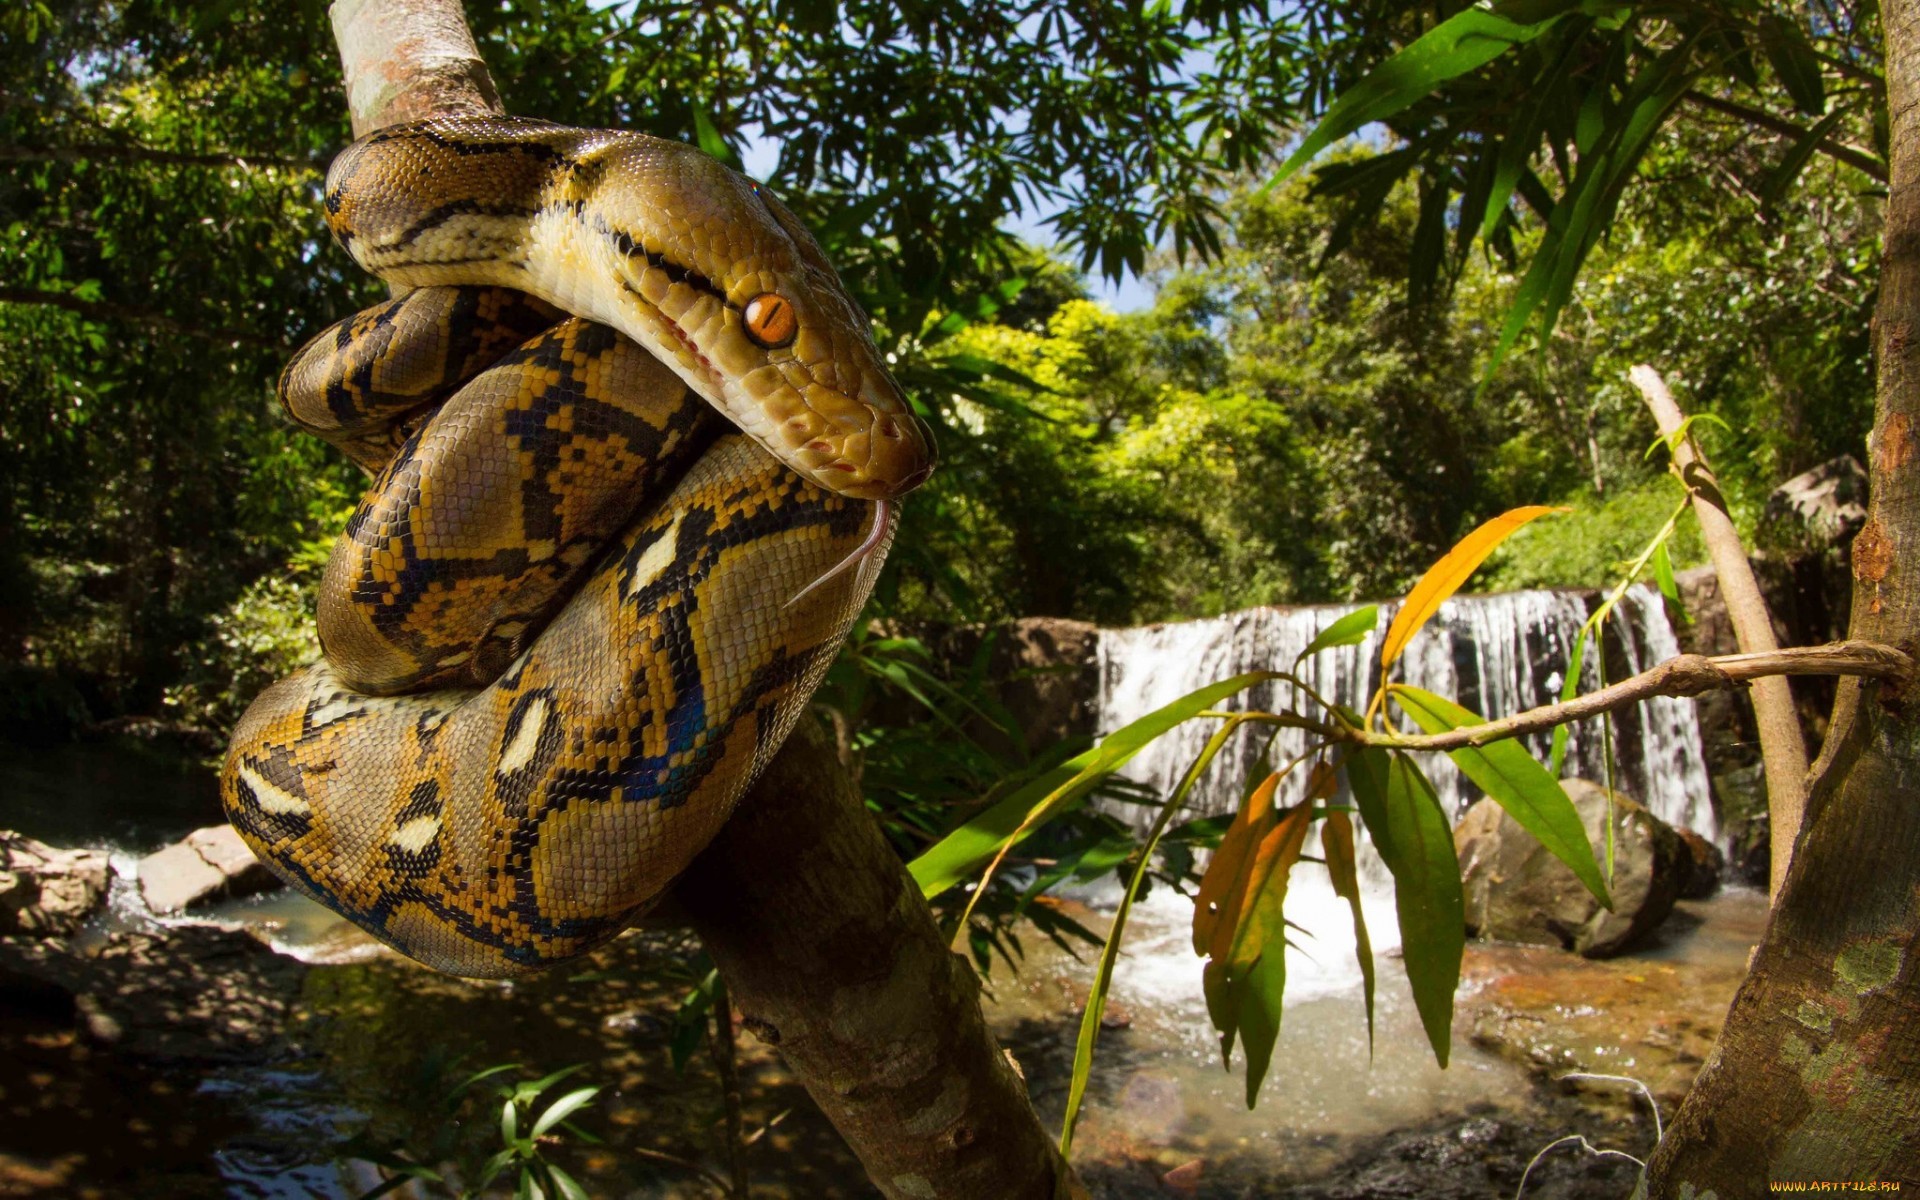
1517 891
46 892
208 864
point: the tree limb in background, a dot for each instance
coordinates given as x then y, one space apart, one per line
823 939
1682 675
1783 748
100 310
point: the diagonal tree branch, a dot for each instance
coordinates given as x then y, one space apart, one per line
1861 160
823 939
1684 675
106 152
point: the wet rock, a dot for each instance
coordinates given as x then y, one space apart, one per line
208 864
1651 1016
1705 866
45 892
1517 891
1045 672
194 993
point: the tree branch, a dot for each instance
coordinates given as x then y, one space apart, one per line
1783 747
97 310
1685 675
1861 160
105 152
822 937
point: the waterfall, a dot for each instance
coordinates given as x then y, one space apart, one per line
1495 654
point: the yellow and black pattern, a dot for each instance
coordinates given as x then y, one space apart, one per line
575 615
496 830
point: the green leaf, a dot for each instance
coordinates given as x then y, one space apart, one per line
1774 187
711 143
568 1187
1795 63
563 1108
1579 216
1367 770
1569 688
527 1091
1336 842
498 1163
1464 42
1518 783
509 1120
955 857
1426 893
1663 577
1349 630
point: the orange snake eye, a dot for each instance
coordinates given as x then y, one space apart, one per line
769 321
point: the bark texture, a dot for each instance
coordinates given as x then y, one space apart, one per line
832 956
1816 1077
820 935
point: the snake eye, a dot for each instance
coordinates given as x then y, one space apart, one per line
769 321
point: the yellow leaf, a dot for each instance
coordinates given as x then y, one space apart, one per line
1249 826
1444 578
1256 923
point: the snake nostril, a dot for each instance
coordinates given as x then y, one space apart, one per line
822 446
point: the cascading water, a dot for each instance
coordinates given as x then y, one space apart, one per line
1495 654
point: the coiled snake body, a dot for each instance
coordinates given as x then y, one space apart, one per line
558 637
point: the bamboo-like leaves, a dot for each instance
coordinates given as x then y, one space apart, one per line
1336 843
1444 578
1349 630
1516 781
993 831
1464 42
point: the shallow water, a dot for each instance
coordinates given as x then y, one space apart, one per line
383 1041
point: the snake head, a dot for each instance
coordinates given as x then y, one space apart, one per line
700 265
745 305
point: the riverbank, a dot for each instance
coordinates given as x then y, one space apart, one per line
238 1070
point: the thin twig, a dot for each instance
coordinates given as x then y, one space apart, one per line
1685 675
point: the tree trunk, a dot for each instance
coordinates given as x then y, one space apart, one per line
1816 1077
822 938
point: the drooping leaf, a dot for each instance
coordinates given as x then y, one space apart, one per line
1462 43
1778 180
956 856
1578 218
1669 586
1427 896
1367 770
1349 630
1246 943
1229 863
1444 578
563 1108
1336 842
1518 783
1795 63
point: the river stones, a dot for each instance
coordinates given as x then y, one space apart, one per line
45 892
1516 891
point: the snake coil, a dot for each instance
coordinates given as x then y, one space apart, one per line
555 648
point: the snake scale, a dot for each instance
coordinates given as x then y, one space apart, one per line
577 611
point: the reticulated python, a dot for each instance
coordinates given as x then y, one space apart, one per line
560 634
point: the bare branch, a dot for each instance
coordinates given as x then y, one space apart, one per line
1863 161
1783 747
106 152
96 310
1686 675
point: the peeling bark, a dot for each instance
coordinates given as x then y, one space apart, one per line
1816 1077
821 937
